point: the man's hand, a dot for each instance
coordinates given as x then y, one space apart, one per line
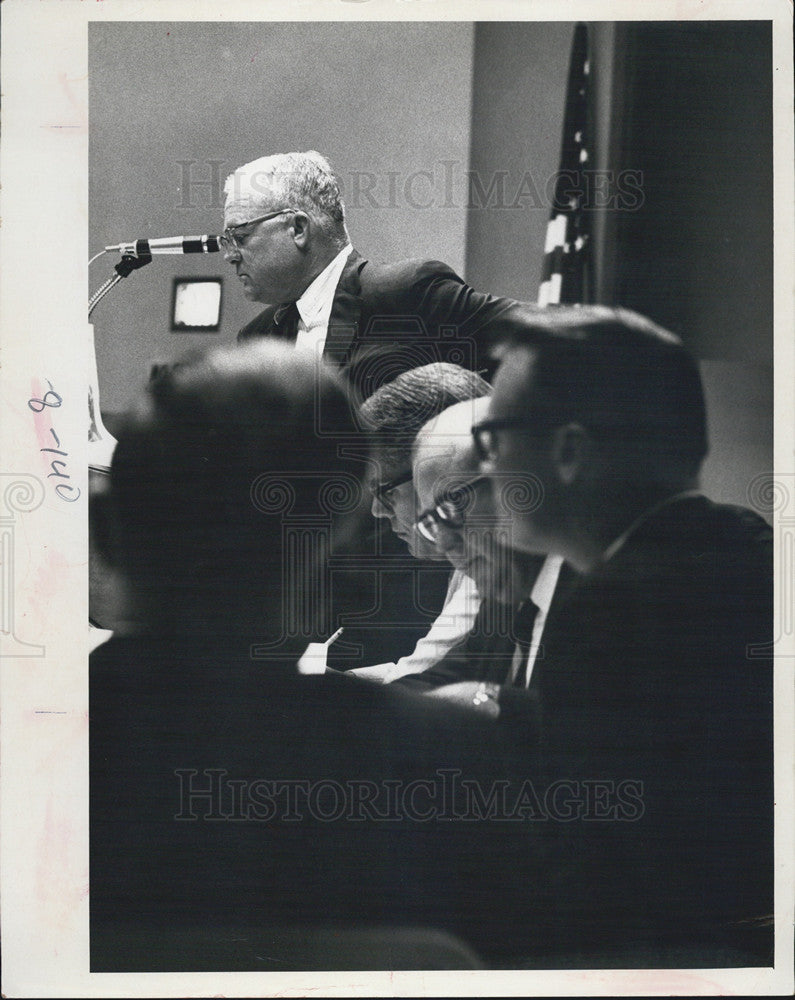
481 697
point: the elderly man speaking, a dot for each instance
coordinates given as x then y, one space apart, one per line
285 235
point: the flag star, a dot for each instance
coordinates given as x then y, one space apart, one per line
579 243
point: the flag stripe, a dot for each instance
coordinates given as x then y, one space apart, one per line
567 247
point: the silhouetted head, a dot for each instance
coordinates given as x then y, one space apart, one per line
598 414
226 495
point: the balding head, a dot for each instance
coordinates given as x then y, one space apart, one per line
466 526
394 414
444 444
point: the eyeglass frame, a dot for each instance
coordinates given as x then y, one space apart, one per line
602 429
483 453
437 517
228 240
380 490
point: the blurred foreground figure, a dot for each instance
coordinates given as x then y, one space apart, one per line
232 798
657 670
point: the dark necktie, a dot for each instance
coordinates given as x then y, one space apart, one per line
286 320
523 621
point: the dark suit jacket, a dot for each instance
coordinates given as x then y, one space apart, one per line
193 750
657 682
485 654
389 318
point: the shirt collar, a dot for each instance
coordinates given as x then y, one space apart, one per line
614 546
324 285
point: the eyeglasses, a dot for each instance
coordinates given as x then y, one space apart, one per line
450 510
230 240
384 490
485 435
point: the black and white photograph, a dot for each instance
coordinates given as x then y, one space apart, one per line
397 566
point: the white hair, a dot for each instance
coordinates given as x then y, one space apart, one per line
295 180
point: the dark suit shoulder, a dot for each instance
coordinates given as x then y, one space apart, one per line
398 273
403 281
696 538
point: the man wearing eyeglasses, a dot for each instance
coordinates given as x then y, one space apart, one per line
658 668
393 415
458 515
286 236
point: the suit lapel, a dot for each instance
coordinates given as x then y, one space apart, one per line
262 325
345 312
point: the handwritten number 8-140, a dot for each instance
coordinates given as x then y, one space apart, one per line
65 491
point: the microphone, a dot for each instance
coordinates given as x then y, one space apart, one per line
168 244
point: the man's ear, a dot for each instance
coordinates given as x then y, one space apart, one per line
300 228
570 451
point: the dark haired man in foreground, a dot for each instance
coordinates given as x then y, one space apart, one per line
658 668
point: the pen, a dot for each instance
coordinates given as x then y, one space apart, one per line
334 637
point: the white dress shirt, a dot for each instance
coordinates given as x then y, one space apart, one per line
314 306
455 620
541 595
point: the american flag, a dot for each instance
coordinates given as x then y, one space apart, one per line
565 277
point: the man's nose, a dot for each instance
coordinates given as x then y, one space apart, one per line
231 253
377 509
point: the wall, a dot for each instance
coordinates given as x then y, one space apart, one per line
177 102
694 117
698 125
519 93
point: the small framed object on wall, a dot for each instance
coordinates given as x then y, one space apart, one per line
196 305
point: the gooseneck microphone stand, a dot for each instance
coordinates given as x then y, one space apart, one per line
101 444
128 263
